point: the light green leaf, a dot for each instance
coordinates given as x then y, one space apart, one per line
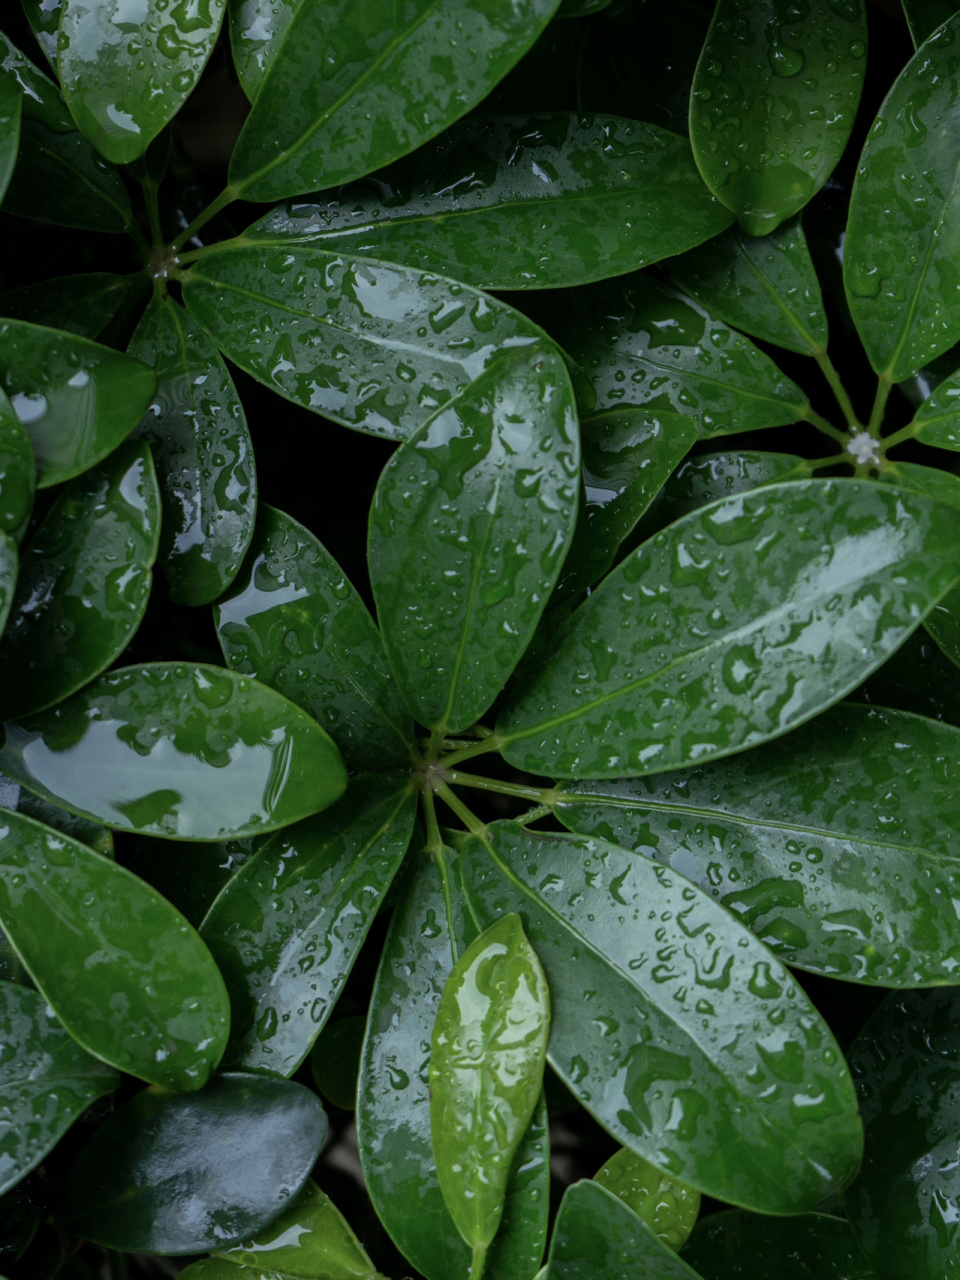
811 1246
667 1206
924 16
60 178
81 304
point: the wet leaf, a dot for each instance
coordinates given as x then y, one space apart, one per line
98 838
924 16
286 929
84 582
325 330
774 98
528 202
835 845
81 304
125 974
826 579
8 576
42 100
469 525
346 94
257 28
181 750
293 620
937 421
740 1246
124 78
932 482
44 18
18 472
60 178
711 476
186 1173
668 1207
198 433
671 1024
642 342
11 99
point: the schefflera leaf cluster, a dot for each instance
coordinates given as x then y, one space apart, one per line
585 580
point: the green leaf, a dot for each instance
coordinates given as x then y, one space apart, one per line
667 1206
11 98
932 482
469 525
903 1208
943 623
61 178
774 98
76 304
44 18
335 1060
900 269
286 929
181 750
918 678
529 202
186 1173
349 91
835 845
124 78
46 1081
427 933
742 1246
767 286
256 29
42 100
924 16
84 582
125 974
391 346
98 838
937 421
775 604
197 430
8 576
293 620
188 875
77 400
18 471
671 1024
642 342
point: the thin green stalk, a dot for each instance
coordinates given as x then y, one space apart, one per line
826 427
491 743
535 814
139 239
905 433
839 390
537 794
226 196
153 213
466 816
835 461
478 1261
434 838
194 255
119 1265
884 387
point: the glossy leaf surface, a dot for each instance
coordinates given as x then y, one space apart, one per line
44 18
293 620
286 929
710 476
11 99
84 582
368 344
256 29
177 750
672 1025
428 931
8 576
186 1173
198 433
773 103
125 78
125 973
522 203
76 304
346 94
900 272
937 421
469 525
77 400
642 342
18 471
99 839
46 1081
924 16
826 578
42 99
668 1207
60 178
740 1246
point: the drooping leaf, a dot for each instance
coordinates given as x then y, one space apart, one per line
84 582
18 471
676 1028
198 433
77 400
181 750
81 304
740 1246
668 1207
835 845
125 77
937 421
11 98
468 529
371 345
642 342
350 90
257 28
286 929
46 1081
775 603
528 202
774 98
186 1173
924 16
293 620
60 178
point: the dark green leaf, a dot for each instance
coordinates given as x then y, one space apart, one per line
943 623
468 529
642 342
351 89
335 1060
42 99
773 102
679 1031
125 77
13 796
44 18
528 202
60 178
76 399
185 1173
668 1207
581 8
197 430
84 582
924 16
369 344
18 471
46 1081
19 1219
8 576
177 750
937 421
11 98
918 678
932 482
743 1246
286 929
256 30
293 620
188 875
835 845
775 604
126 975
76 304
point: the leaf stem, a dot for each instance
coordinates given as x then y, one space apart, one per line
905 433
226 196
119 1265
434 838
536 794
478 1261
193 255
153 212
826 427
884 387
828 369
490 743
535 814
138 238
835 461
469 819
